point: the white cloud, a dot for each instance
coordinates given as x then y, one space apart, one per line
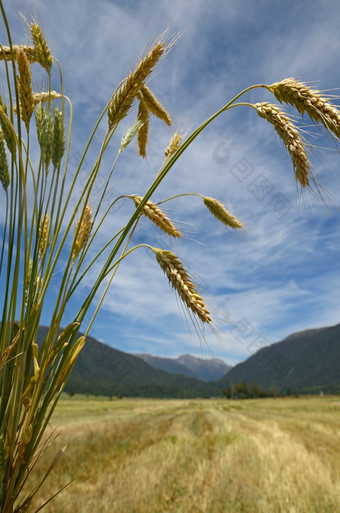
281 273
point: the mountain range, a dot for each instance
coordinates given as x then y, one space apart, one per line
304 362
210 369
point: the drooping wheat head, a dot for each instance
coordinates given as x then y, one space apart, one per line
181 282
126 94
143 117
154 106
173 146
291 138
306 99
82 231
219 211
157 216
8 53
43 52
25 89
45 96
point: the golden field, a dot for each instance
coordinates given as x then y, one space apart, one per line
196 456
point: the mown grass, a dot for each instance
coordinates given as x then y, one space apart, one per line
211 456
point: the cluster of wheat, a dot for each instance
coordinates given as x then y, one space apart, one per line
44 219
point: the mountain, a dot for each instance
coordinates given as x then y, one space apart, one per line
202 369
102 370
304 362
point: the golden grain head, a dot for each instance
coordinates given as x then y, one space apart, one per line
43 52
291 138
123 99
219 211
7 53
8 131
306 99
43 236
157 216
25 89
154 106
45 96
173 146
143 117
82 231
181 282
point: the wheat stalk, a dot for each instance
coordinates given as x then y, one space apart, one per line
291 138
157 216
306 99
181 282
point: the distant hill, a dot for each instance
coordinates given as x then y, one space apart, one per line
210 369
102 370
304 362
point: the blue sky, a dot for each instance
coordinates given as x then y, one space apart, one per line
282 273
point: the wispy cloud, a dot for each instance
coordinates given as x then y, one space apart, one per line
282 273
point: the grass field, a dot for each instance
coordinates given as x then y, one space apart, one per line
195 456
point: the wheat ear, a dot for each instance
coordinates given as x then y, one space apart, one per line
157 216
130 134
143 117
4 172
43 52
124 97
45 132
82 231
154 106
25 89
43 235
43 97
8 130
219 211
8 53
305 99
181 282
58 137
173 146
291 138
